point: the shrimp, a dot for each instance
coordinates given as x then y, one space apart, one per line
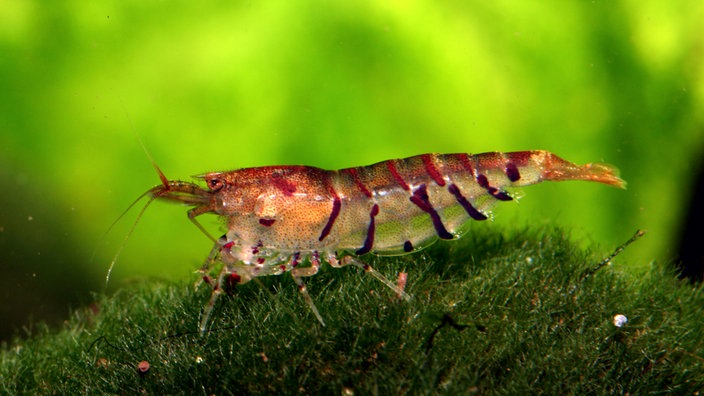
291 218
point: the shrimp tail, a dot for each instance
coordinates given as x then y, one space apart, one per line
555 169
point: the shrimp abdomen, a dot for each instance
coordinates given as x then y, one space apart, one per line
398 206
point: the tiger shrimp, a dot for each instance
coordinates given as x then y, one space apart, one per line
292 218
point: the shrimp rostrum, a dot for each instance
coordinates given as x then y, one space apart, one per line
291 218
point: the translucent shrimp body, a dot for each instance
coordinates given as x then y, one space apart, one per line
290 218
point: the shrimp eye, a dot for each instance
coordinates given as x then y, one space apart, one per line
215 184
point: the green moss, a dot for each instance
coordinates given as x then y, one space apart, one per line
534 323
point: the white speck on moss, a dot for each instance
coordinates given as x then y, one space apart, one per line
620 320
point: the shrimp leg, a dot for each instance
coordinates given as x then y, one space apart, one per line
298 273
347 260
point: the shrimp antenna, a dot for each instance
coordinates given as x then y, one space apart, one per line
163 178
155 193
129 233
164 181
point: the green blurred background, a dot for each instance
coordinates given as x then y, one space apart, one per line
331 84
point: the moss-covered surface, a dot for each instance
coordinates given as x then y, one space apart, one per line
491 313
